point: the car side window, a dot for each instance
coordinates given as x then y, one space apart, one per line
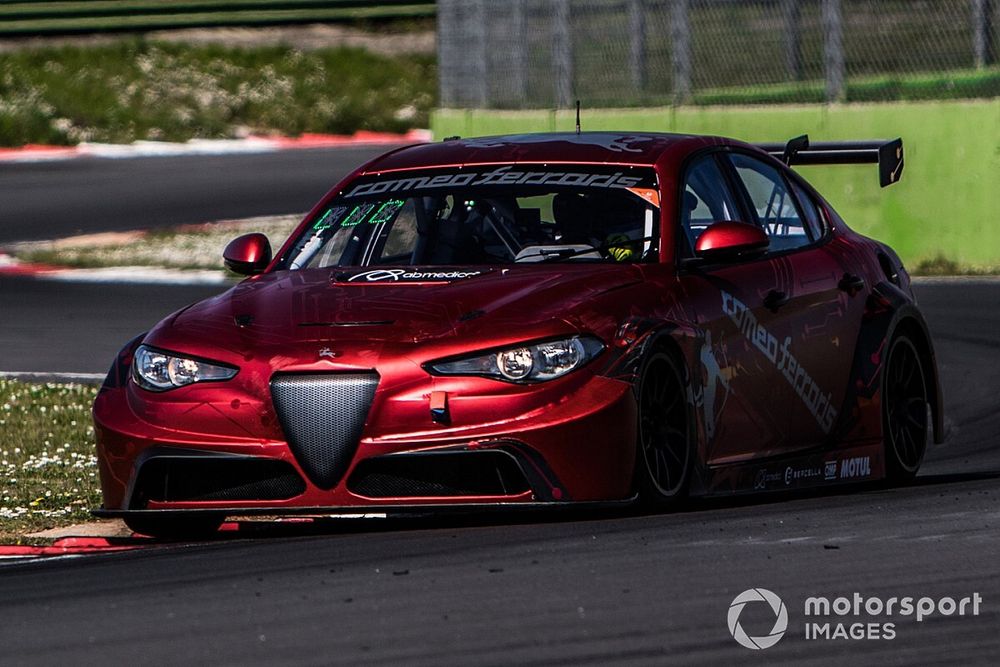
814 223
707 199
773 202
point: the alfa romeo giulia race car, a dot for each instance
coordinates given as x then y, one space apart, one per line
534 320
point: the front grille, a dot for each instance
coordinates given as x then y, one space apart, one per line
323 417
179 479
438 474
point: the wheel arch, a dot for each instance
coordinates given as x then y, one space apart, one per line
889 311
677 340
682 342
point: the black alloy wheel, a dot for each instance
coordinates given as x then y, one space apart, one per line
663 457
904 411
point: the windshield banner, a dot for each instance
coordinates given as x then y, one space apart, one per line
569 176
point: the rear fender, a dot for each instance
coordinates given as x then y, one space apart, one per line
888 310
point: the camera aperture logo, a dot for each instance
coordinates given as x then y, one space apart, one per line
857 617
780 620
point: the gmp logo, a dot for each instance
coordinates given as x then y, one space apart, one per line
780 622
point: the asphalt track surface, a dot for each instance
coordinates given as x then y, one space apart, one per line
531 589
46 200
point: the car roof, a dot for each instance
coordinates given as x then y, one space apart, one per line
632 148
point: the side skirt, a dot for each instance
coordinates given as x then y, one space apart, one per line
858 463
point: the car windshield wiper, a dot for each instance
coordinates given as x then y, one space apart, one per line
554 255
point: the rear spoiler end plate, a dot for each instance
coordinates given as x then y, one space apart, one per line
886 153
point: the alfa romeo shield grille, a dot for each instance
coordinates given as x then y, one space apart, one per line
322 417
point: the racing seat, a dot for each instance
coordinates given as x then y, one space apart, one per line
452 238
574 217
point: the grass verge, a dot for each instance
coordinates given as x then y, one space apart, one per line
950 85
47 455
943 266
134 89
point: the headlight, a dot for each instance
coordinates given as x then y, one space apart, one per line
159 371
528 363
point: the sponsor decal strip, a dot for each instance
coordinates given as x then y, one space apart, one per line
406 276
499 176
805 387
846 468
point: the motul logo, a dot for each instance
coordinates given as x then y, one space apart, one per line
859 466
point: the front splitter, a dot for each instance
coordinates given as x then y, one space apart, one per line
386 510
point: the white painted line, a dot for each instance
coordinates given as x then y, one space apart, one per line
144 148
167 149
138 274
41 376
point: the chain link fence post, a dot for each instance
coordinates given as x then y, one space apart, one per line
680 40
982 33
445 25
480 67
519 55
833 49
637 44
792 14
562 53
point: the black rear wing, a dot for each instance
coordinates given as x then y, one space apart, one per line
888 154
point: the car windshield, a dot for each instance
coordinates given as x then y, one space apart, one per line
485 216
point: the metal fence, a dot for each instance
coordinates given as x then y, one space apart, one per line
548 53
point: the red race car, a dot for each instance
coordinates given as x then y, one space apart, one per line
534 320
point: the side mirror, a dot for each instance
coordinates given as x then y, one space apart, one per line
724 241
248 254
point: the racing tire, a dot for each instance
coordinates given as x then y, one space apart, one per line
175 527
664 450
904 411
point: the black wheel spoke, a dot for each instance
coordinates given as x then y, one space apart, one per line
905 444
911 447
906 372
661 460
667 451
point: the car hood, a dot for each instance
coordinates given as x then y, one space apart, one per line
286 307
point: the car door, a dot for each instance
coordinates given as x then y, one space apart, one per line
735 369
815 308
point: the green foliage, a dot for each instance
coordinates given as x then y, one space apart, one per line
940 265
134 89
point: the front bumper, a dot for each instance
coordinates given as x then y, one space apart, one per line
572 440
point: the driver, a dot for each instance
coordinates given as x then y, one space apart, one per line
620 248
582 219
